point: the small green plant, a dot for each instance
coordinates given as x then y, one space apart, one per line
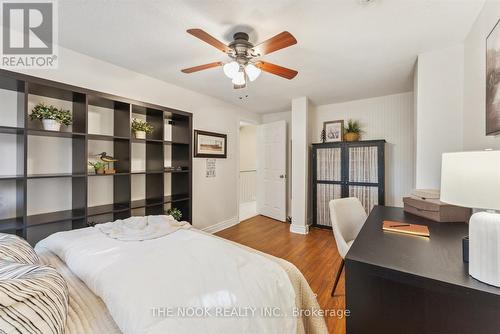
42 111
352 127
176 213
97 165
139 125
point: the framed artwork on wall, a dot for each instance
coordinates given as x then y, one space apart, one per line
334 131
492 81
210 144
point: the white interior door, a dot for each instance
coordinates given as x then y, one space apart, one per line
271 170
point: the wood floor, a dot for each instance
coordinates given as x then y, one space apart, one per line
315 254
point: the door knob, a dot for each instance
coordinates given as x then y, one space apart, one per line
282 176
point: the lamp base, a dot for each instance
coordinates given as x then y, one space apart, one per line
484 247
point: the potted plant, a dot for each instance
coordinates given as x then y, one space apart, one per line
51 117
352 131
176 213
141 128
98 166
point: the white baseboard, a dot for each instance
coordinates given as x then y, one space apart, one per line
248 210
221 226
299 229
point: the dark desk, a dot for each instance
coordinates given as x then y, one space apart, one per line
405 284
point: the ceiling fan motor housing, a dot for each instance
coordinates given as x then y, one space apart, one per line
241 47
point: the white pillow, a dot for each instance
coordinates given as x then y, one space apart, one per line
16 249
33 299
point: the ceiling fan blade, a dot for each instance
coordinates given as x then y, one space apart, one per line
207 38
277 70
202 67
278 42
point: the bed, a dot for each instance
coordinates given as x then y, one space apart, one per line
95 307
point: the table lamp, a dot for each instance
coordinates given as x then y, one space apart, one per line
472 179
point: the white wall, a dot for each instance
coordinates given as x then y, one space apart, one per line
215 199
438 117
386 117
300 166
248 146
474 136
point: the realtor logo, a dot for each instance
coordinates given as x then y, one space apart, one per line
29 34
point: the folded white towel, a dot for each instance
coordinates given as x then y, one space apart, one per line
142 228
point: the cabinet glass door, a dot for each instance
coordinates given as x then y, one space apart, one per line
329 181
363 179
329 164
324 194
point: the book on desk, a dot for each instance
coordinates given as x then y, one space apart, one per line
405 228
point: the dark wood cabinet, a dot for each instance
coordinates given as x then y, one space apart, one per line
347 169
162 187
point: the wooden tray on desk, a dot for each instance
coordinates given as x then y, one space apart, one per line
405 228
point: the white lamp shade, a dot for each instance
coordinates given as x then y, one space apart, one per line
239 78
252 71
231 69
471 179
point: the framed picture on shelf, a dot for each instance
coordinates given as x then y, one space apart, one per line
492 81
334 131
210 144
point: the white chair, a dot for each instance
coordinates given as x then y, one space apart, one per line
348 216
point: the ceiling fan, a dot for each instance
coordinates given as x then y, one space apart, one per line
244 66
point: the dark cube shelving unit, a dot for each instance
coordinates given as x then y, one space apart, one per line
33 227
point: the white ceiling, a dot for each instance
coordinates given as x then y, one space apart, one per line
345 50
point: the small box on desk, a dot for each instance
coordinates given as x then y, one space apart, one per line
436 210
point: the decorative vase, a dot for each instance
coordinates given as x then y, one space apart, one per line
351 136
140 134
51 125
99 170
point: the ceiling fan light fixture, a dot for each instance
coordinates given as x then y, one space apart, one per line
241 68
252 71
231 69
239 78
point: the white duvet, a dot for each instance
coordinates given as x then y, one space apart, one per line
155 286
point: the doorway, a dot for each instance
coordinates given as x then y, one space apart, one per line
248 171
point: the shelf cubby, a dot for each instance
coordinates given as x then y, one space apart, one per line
117 148
108 194
12 150
141 211
176 128
108 117
35 233
46 184
155 210
183 206
154 157
12 225
12 205
12 99
54 217
75 102
51 200
154 187
138 153
107 209
152 116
